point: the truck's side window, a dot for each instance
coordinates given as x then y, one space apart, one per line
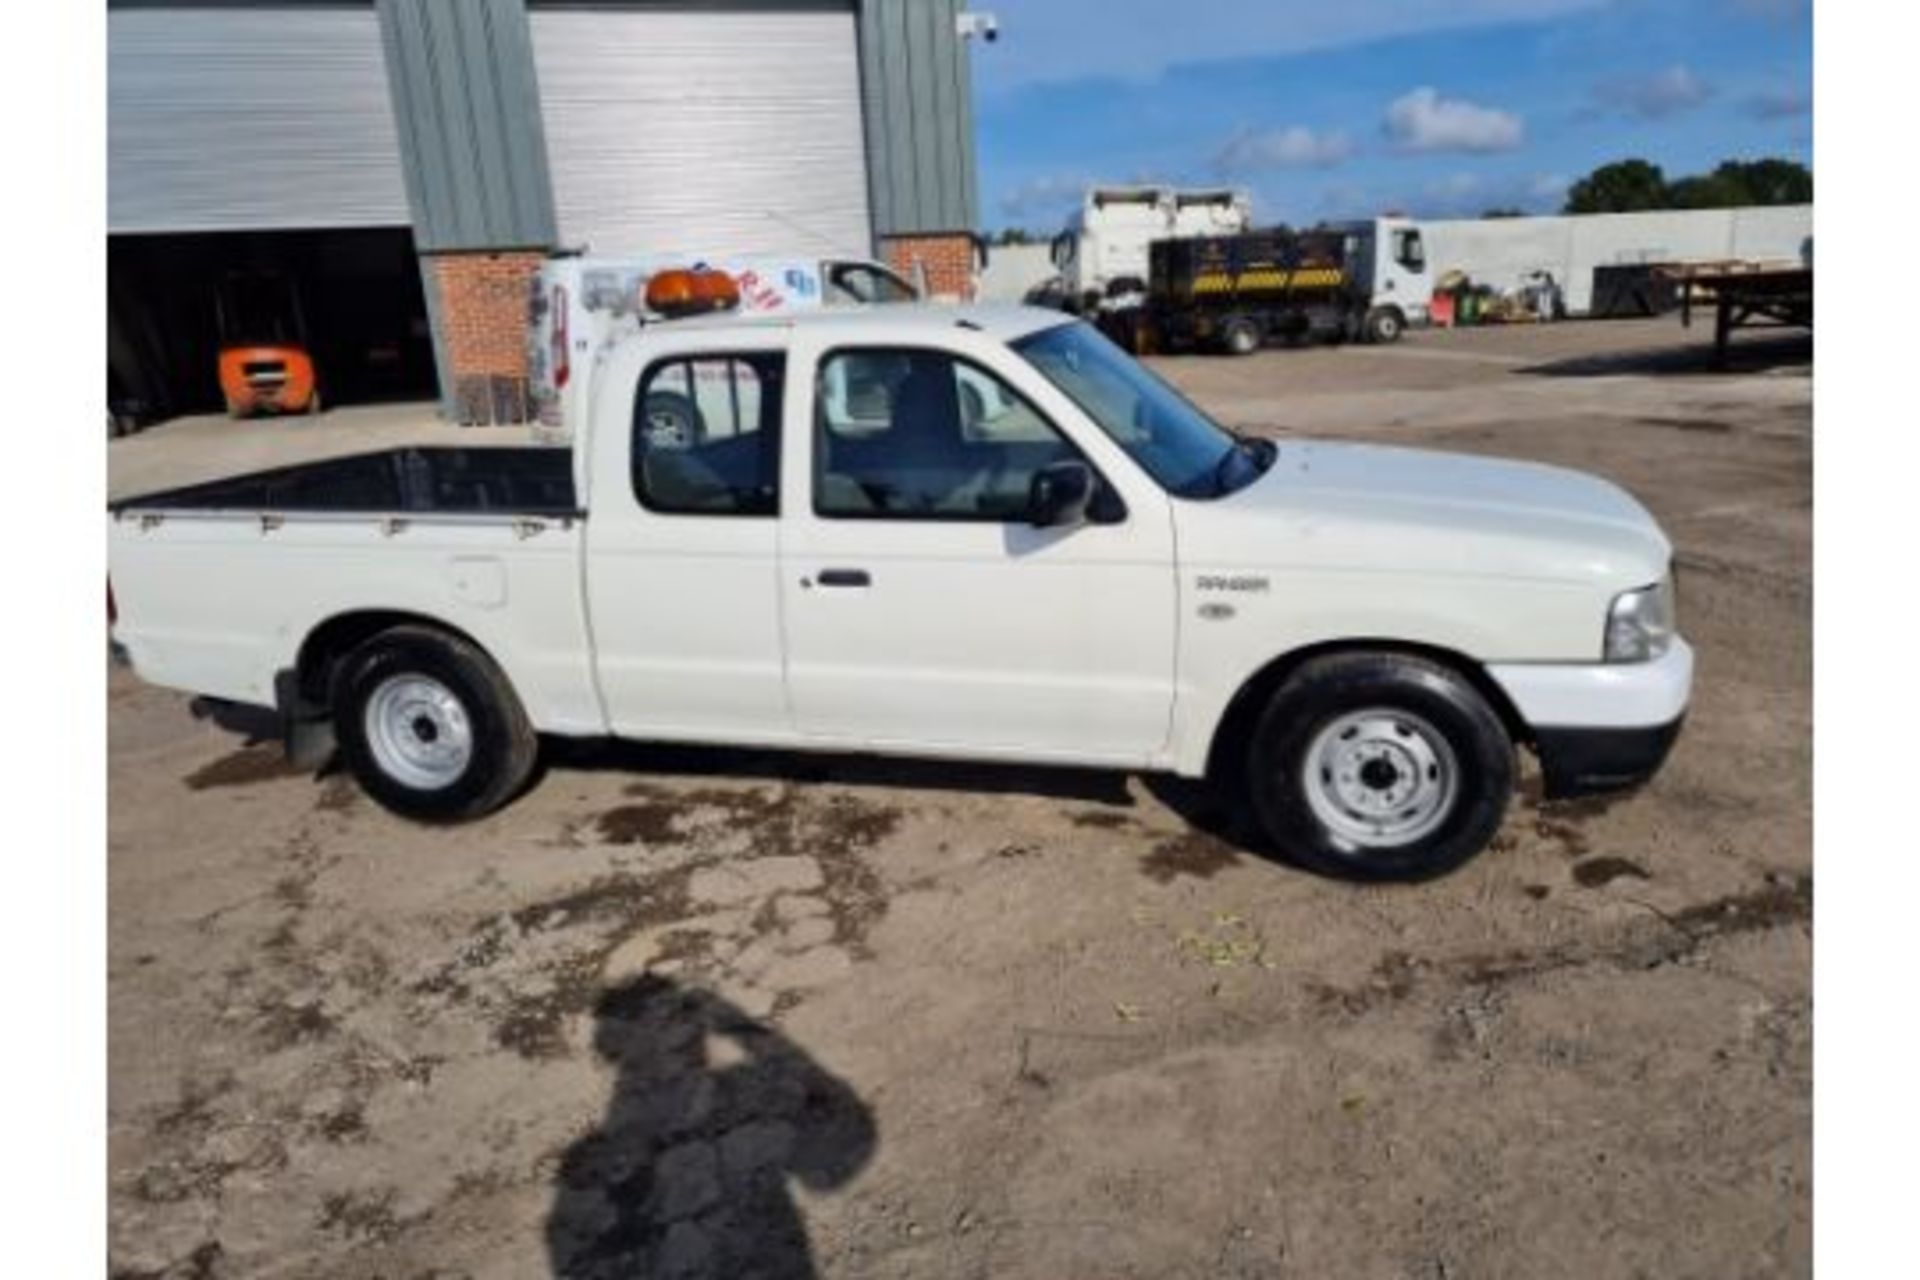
922 434
1407 250
706 435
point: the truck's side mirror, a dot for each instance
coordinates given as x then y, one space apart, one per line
1060 495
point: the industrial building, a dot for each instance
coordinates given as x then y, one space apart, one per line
404 165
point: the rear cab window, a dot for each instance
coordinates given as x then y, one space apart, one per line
706 434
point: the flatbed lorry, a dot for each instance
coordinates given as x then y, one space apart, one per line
968 533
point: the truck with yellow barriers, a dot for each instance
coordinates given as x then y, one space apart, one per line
1349 281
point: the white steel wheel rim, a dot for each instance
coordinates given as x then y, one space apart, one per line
669 429
1380 778
418 732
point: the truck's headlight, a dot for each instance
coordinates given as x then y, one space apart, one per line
1640 623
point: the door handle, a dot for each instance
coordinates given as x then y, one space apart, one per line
844 578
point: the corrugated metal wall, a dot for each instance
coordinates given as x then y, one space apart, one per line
237 115
704 130
919 116
468 110
249 119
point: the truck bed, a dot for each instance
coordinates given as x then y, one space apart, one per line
527 480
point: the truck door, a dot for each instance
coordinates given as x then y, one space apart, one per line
923 608
683 540
1401 278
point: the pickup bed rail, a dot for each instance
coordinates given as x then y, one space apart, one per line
487 481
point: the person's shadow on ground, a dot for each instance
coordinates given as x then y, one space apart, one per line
686 1176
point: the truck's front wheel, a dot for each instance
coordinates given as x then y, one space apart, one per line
1379 766
430 726
1385 324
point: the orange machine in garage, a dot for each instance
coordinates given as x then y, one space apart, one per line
265 364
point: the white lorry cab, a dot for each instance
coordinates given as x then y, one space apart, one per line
956 532
1390 265
1102 256
579 305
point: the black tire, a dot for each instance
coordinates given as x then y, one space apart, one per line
1432 696
672 421
1239 336
1385 324
503 744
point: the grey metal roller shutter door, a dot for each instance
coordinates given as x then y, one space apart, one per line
704 132
249 119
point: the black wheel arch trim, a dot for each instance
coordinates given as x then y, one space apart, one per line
1236 722
329 641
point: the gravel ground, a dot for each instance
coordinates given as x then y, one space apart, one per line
726 1013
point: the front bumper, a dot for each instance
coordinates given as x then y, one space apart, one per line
1601 726
1580 762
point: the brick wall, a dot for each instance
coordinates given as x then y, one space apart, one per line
948 257
483 321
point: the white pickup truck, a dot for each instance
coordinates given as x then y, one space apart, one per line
961 532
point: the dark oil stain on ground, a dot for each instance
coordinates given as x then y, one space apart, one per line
608 898
263 762
1563 821
535 1026
361 1215
1393 978
349 1124
648 823
283 1025
1711 425
1597 873
789 821
1195 854
193 1111
202 1264
834 830
1101 820
1781 901
339 795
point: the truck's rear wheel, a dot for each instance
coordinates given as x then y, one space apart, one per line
1239 336
430 726
1379 767
1385 324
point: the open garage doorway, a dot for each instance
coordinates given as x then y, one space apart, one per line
357 293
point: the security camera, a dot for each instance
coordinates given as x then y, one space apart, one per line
984 25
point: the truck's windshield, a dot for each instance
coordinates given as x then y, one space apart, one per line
1180 447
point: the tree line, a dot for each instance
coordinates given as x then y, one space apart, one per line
1631 186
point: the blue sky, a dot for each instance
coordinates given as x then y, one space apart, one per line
1331 108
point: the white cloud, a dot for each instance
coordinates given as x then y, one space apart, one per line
1294 147
1424 121
1655 97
